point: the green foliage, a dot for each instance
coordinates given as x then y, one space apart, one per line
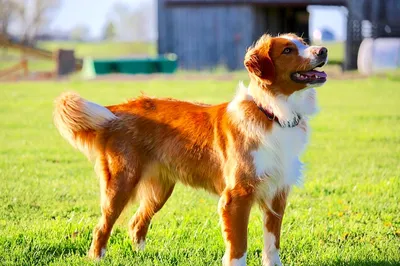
347 213
110 31
80 33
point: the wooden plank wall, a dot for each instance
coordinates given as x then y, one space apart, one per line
208 36
385 18
204 37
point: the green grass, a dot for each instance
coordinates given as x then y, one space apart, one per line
336 51
347 213
82 49
117 49
102 49
33 65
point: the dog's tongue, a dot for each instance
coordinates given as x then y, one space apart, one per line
312 73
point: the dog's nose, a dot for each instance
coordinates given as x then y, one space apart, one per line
321 51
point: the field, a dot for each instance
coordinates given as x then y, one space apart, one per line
110 50
336 50
82 49
347 212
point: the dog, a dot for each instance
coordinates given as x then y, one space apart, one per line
246 151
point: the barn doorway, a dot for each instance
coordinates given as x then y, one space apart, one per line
276 20
307 21
328 27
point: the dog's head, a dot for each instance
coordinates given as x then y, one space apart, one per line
286 64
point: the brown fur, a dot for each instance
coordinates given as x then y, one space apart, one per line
274 219
269 51
153 143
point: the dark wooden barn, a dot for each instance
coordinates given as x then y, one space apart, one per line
207 33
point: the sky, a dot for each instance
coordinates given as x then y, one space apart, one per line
91 13
94 13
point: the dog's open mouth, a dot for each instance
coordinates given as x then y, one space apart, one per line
311 77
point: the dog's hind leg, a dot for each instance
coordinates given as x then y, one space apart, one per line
152 194
117 183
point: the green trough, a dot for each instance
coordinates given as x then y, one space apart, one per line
162 64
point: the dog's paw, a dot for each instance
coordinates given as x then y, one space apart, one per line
271 259
234 262
139 245
95 255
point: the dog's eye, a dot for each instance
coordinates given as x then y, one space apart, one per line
287 51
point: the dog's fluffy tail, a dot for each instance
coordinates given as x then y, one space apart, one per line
79 121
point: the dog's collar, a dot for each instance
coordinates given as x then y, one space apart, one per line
271 116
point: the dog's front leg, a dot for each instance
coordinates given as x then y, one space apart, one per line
272 228
234 209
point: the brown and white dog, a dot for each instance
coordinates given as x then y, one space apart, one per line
246 151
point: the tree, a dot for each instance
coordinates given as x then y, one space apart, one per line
7 12
110 31
137 23
33 16
119 15
80 33
142 21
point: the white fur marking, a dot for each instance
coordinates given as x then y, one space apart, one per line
272 259
75 114
235 262
242 94
276 160
102 252
141 245
301 102
304 102
279 107
270 254
303 49
98 112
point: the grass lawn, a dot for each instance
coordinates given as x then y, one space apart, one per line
114 49
347 212
82 49
102 49
336 50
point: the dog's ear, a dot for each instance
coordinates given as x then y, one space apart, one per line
258 60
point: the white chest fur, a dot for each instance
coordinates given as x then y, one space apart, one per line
276 160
